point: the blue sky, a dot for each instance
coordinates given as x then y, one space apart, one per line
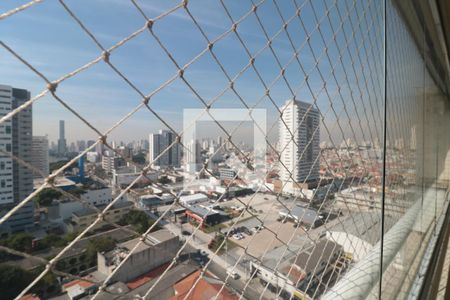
47 37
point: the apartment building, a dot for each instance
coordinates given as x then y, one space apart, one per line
16 180
158 142
299 139
39 156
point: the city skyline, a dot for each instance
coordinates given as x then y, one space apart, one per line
113 98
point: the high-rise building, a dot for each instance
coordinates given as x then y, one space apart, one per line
16 180
99 148
299 142
39 156
62 145
192 157
219 141
81 145
72 147
158 142
90 143
53 146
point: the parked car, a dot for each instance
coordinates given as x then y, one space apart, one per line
259 228
247 231
232 273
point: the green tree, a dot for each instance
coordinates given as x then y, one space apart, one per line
100 244
138 219
57 165
21 242
46 286
13 280
77 191
46 197
51 240
139 158
70 236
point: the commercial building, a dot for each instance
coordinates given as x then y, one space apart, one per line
302 215
62 144
150 201
299 144
188 200
16 180
110 163
159 247
39 156
123 176
203 216
158 143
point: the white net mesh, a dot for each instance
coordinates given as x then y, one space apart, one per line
332 183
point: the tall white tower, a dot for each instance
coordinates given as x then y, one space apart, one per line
299 143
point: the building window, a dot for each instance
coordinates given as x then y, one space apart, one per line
2 183
2 165
8 147
8 129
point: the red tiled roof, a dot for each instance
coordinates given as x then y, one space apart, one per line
30 297
82 283
147 277
204 290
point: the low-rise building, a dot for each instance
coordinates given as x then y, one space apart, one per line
188 200
301 215
86 216
298 274
175 177
150 201
227 173
63 208
159 247
203 216
126 175
206 287
78 289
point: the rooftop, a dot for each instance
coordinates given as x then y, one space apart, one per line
206 288
153 239
87 211
201 211
313 257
